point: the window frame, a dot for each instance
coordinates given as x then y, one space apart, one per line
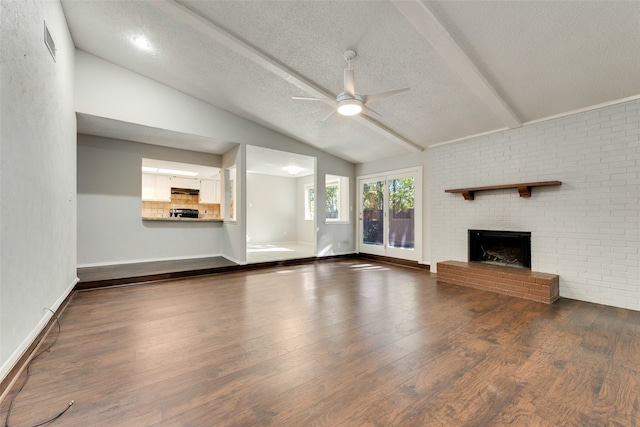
343 207
309 205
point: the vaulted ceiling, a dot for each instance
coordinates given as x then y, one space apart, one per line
472 66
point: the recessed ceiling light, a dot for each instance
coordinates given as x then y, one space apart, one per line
177 172
142 42
293 169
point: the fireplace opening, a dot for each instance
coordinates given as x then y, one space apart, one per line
507 248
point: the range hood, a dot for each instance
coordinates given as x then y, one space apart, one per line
191 191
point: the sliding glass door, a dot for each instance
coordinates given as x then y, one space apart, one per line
372 224
391 214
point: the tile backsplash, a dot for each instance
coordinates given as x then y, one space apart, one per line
180 201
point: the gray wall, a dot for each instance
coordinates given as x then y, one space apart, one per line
37 173
110 228
106 90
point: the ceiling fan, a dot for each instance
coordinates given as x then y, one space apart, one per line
350 102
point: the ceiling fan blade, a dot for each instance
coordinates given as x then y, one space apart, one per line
371 113
329 115
304 98
349 82
377 96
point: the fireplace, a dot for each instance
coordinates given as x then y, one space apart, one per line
507 248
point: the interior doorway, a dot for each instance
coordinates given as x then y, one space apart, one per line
390 214
280 205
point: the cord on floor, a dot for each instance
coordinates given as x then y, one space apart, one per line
26 378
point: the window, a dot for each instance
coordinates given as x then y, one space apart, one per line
309 202
337 206
401 197
333 200
401 212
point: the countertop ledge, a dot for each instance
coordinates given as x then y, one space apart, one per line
147 218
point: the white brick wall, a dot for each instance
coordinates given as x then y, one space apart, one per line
587 230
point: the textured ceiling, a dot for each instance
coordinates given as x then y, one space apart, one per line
534 59
546 58
274 162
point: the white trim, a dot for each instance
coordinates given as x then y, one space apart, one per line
284 242
136 261
544 119
236 261
325 255
583 110
28 340
309 214
344 188
464 138
418 250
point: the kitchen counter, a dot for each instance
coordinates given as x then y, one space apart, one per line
179 219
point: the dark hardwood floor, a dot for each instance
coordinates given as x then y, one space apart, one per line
342 343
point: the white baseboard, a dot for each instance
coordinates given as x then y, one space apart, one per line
284 242
8 365
136 261
336 254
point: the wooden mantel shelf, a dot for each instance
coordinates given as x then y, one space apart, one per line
524 188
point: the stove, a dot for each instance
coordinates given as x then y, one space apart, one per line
184 213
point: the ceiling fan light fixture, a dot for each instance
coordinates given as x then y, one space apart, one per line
349 107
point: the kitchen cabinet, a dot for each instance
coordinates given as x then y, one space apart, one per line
180 182
209 191
148 186
163 188
156 188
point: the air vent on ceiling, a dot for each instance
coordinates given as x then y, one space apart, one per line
48 40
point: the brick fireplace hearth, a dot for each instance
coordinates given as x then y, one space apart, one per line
519 282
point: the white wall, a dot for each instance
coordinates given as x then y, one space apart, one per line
110 228
235 232
37 173
587 230
271 208
304 228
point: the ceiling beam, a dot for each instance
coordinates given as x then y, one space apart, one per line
239 46
430 28
269 63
